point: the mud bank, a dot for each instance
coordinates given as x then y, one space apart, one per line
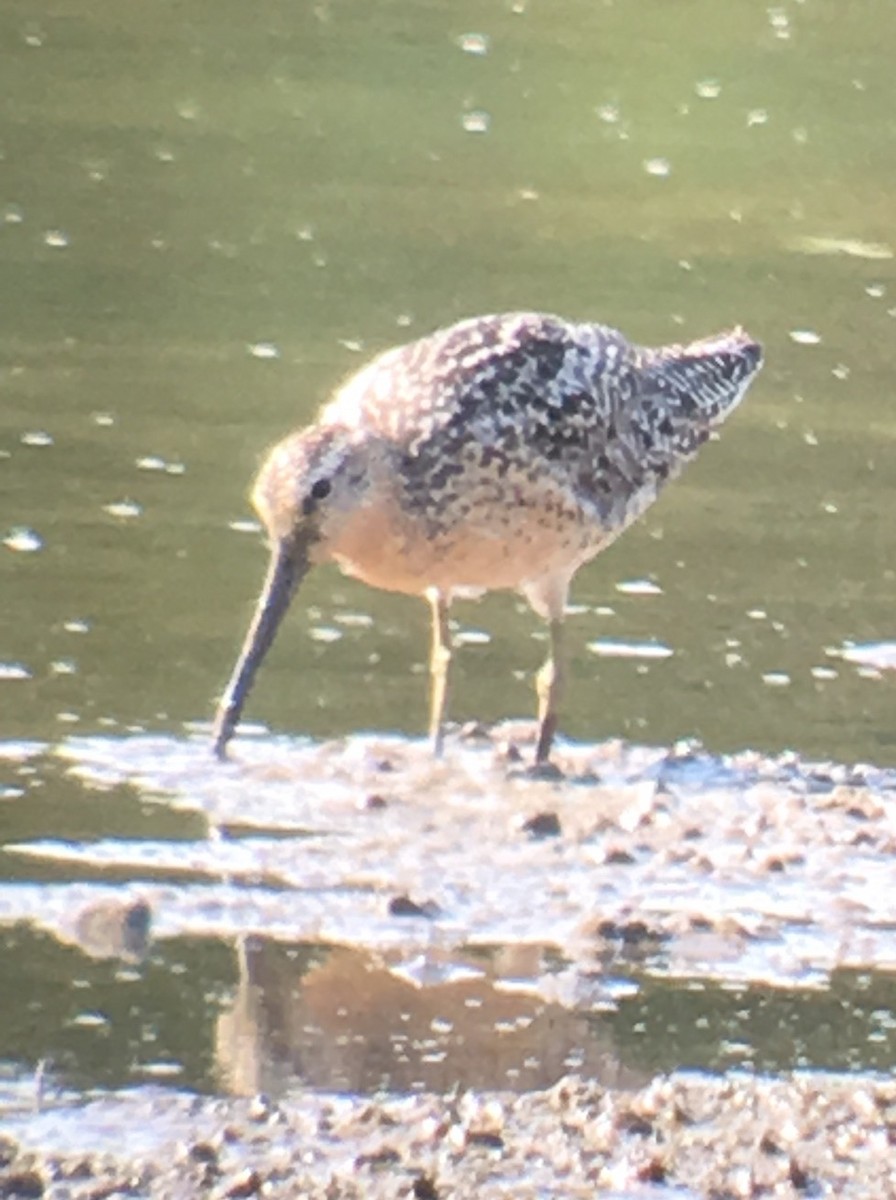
739 867
680 1138
368 898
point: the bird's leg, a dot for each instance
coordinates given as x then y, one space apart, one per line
439 660
549 684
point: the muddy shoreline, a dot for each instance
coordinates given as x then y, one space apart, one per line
740 866
740 871
681 1137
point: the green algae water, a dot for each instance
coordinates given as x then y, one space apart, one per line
209 218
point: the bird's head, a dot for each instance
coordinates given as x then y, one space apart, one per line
309 484
308 489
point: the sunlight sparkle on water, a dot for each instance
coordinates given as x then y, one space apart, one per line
76 625
776 679
23 540
153 462
473 43
853 247
639 587
619 648
324 633
805 337
125 509
880 655
476 121
14 670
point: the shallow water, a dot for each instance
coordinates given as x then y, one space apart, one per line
204 225
259 1016
349 916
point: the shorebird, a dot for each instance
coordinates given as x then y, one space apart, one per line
502 452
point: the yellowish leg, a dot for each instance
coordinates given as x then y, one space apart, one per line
439 660
549 684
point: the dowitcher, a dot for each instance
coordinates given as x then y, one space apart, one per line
501 452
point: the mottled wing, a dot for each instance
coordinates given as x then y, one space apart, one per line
521 395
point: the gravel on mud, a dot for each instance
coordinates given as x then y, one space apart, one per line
681 1137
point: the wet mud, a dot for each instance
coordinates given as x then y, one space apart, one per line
735 867
679 1138
459 978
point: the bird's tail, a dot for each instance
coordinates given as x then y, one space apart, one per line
703 380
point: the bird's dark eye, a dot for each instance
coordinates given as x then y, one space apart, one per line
320 489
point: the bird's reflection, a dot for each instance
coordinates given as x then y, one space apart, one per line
340 1019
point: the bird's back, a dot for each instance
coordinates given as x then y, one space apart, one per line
483 375
526 406
521 396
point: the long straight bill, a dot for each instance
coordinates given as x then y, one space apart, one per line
288 565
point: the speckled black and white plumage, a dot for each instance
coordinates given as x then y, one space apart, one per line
502 452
